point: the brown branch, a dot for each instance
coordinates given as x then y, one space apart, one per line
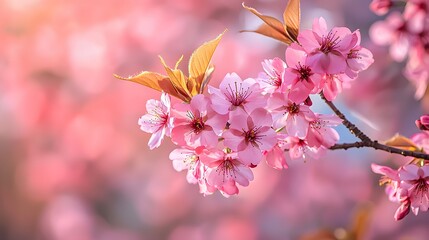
378 146
365 140
346 146
353 129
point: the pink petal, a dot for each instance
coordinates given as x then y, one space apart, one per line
156 139
319 26
276 158
218 101
268 139
250 155
387 171
229 188
261 117
178 134
299 93
232 139
295 56
409 172
308 40
297 126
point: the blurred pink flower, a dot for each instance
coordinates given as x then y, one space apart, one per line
392 31
381 7
423 123
421 139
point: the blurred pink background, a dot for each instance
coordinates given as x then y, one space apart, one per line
75 166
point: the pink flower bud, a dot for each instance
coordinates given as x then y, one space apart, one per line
423 123
403 210
380 7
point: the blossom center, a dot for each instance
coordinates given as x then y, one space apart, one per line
304 72
293 108
329 43
354 53
197 123
158 117
252 136
276 81
237 94
421 186
227 169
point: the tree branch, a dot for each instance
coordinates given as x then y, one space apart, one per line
378 146
365 140
353 129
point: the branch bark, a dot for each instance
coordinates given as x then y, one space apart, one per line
367 141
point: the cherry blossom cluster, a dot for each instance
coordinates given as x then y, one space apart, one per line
407 34
222 135
409 185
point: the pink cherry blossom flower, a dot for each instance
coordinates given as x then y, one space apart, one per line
415 179
234 92
271 79
326 50
188 159
390 178
380 7
225 170
157 120
320 132
185 158
196 124
294 117
333 84
298 76
249 134
358 58
299 149
407 186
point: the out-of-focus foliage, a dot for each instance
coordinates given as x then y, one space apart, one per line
74 164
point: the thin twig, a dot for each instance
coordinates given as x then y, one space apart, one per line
365 140
379 146
353 129
346 146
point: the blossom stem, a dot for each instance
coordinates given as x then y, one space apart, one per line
367 141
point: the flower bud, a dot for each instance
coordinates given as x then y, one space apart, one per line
403 210
423 123
380 7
